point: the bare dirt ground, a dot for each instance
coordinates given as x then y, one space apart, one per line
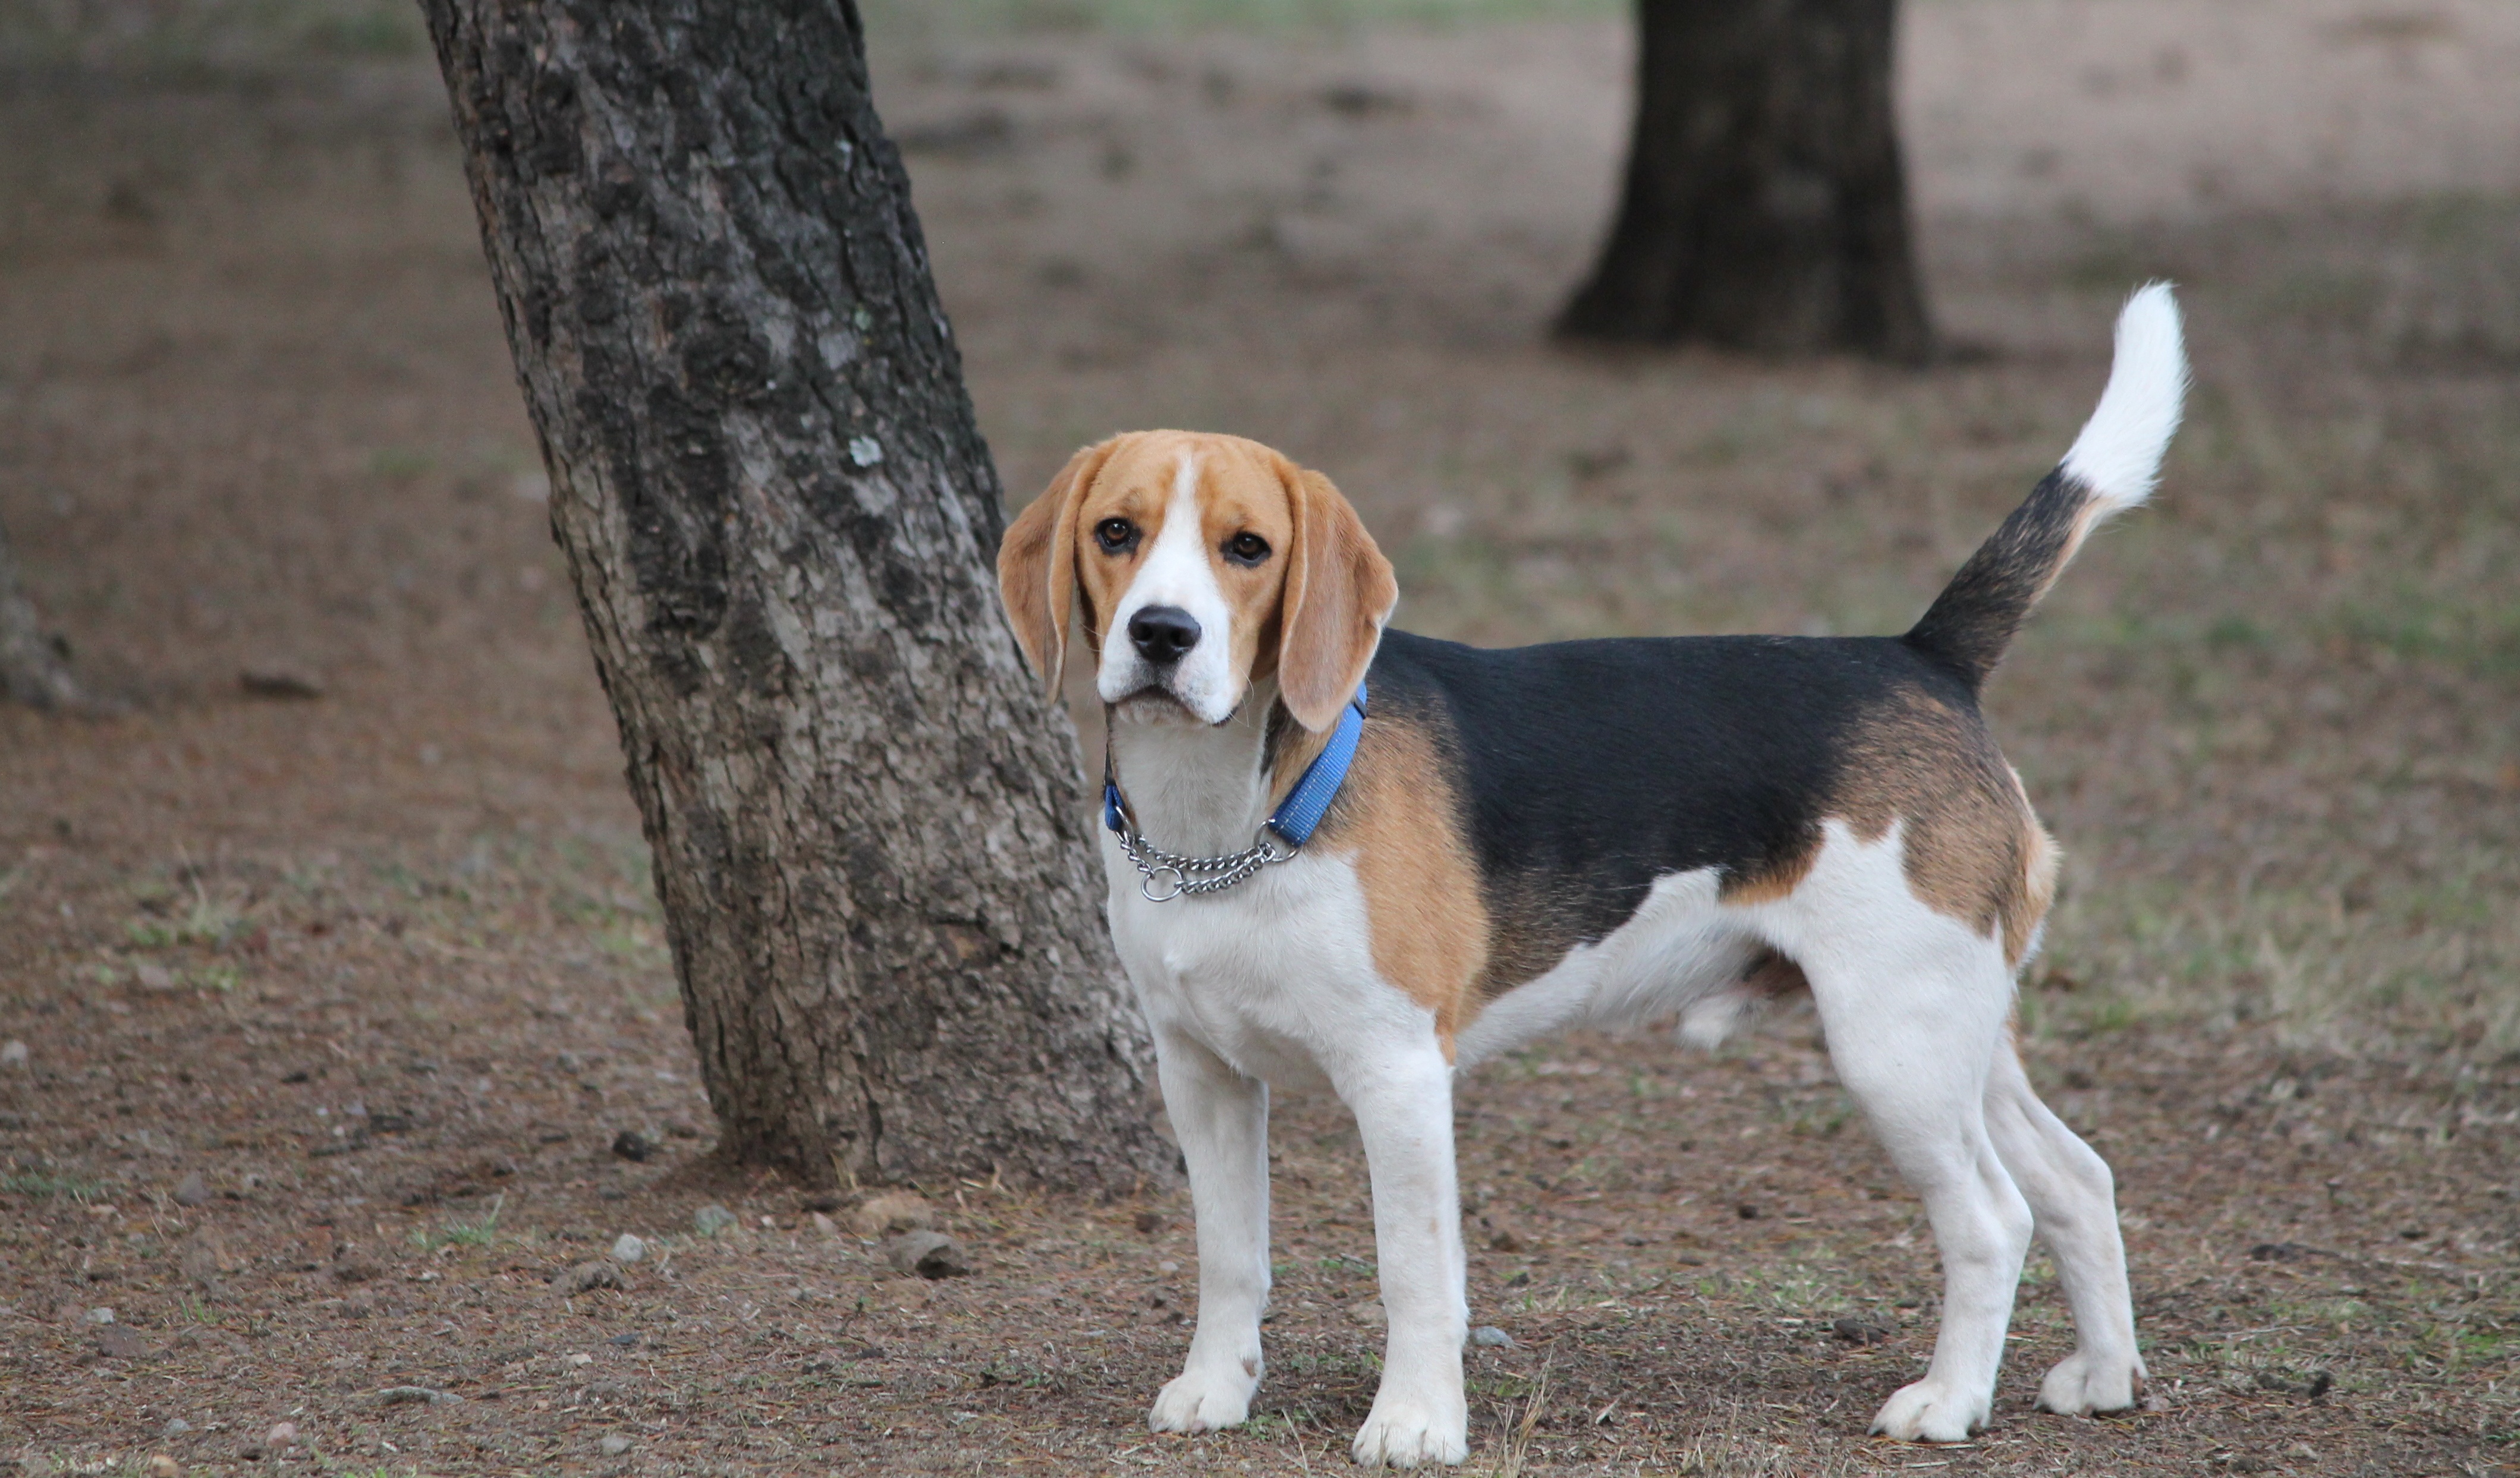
381 967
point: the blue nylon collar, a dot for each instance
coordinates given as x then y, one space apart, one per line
1300 813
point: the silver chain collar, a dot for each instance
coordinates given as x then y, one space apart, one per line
1197 875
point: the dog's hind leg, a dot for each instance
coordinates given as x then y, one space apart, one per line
2073 1202
1222 1120
1913 1007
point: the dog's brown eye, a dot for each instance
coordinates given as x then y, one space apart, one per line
1116 535
1246 548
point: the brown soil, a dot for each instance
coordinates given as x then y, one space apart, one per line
381 967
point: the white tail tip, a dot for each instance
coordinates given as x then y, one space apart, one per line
2118 456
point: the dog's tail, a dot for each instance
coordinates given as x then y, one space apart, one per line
2113 467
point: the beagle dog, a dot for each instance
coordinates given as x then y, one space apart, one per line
1348 855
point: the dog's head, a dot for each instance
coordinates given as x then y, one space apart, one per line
1198 565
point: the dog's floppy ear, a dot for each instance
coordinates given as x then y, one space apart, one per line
1339 591
1037 564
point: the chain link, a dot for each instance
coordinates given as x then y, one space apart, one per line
1197 875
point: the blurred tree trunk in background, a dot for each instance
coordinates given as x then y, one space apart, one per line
34 665
1765 206
865 821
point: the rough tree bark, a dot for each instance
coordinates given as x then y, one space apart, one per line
867 825
1765 206
34 666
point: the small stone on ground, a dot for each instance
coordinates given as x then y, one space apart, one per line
891 1214
928 1254
588 1276
279 679
1491 1337
712 1219
627 1248
122 1341
192 1191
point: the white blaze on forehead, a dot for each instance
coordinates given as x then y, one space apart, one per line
1185 488
1177 573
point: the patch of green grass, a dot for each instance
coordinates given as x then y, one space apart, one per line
2418 626
2234 630
204 920
388 30
481 1234
46 1184
634 941
2112 1016
398 464
1267 1426
1819 1120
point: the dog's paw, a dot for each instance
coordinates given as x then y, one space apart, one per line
1203 1401
2083 1384
1929 1413
1404 1432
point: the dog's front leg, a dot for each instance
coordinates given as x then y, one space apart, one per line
1222 1120
1403 1101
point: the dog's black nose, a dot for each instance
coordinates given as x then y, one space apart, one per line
1163 633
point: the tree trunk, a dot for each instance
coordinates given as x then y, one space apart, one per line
1765 206
34 665
867 825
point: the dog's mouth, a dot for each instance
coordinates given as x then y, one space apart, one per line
1169 693
1155 704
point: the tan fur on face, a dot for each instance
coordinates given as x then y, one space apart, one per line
1037 564
1339 591
1310 613
1238 488
1402 823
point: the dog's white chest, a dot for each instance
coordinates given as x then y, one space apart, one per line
1275 975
